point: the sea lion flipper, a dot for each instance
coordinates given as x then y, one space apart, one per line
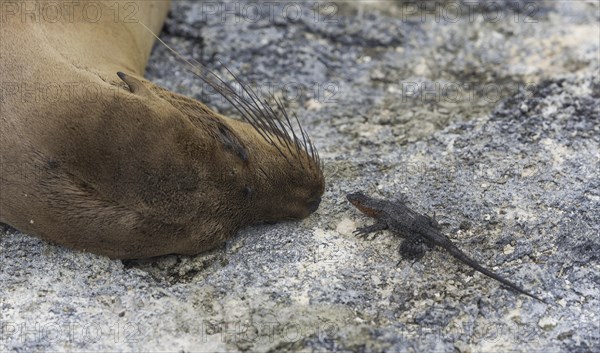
135 86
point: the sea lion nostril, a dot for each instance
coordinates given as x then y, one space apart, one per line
314 205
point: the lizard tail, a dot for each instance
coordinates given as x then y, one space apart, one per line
458 254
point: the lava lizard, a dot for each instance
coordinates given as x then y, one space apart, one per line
416 229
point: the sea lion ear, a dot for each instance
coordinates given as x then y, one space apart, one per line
135 86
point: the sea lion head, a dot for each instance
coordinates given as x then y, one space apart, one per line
285 179
261 169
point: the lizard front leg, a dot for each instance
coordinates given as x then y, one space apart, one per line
430 221
434 222
363 232
402 198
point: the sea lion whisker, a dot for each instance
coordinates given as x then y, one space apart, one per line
271 117
305 144
273 129
304 136
308 145
291 128
236 104
246 111
259 123
284 125
207 80
206 71
199 66
264 133
263 125
269 122
249 91
294 136
249 114
281 128
203 76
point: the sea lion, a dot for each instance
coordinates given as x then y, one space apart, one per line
96 158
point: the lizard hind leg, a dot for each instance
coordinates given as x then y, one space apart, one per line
413 248
430 220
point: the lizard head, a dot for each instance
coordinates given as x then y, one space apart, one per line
365 204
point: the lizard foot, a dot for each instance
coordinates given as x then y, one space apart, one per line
364 233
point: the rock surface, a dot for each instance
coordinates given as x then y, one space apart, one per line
491 119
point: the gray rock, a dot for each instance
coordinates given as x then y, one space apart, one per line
492 124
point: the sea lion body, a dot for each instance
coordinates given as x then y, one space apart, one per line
128 169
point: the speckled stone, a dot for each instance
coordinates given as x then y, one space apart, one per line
490 123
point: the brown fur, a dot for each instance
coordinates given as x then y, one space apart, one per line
128 175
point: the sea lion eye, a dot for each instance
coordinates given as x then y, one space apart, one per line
248 191
232 143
